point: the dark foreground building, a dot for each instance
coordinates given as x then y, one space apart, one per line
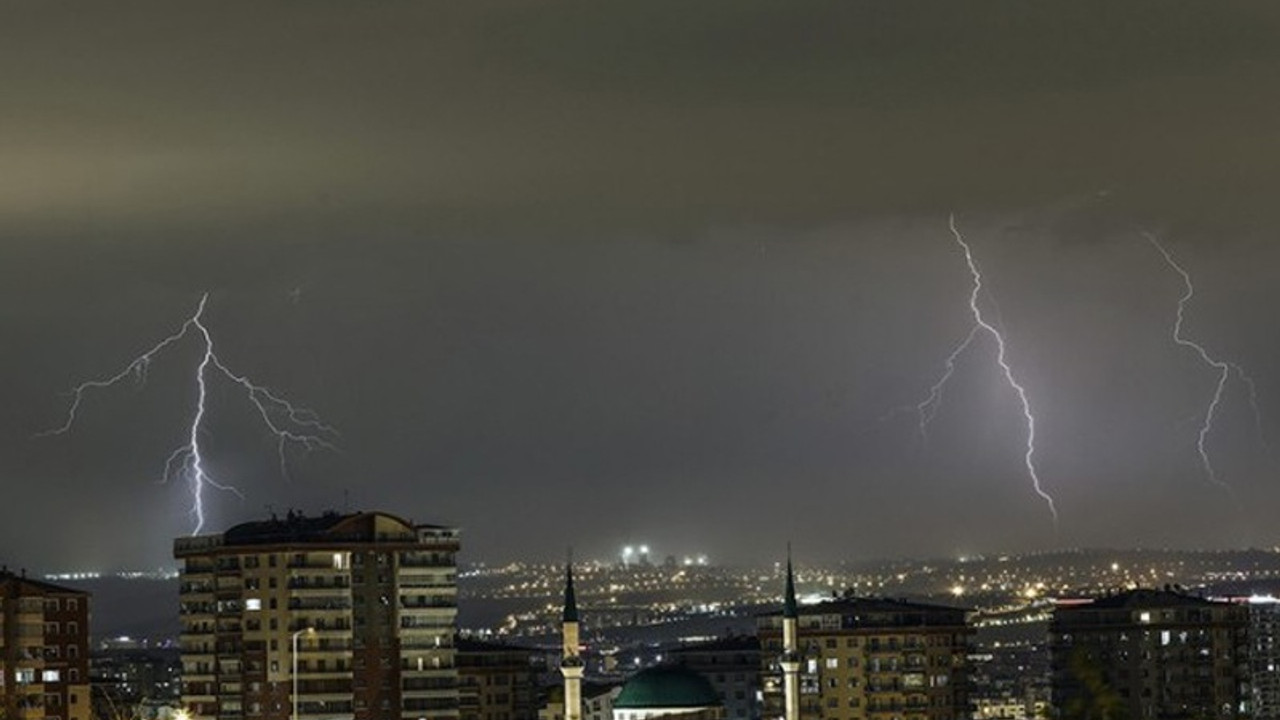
363 605
499 681
44 650
732 665
1150 655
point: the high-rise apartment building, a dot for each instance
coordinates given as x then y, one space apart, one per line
44 650
1150 655
868 659
348 616
1264 656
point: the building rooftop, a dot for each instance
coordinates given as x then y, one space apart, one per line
1145 598
472 645
732 643
667 686
18 584
330 527
853 605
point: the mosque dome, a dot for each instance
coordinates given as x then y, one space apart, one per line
667 686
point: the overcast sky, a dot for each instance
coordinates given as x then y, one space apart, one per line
596 272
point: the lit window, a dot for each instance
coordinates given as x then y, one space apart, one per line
1144 617
252 604
50 676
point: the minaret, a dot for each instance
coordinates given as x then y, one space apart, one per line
790 660
571 665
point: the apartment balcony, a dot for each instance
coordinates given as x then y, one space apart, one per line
410 582
322 599
874 690
411 682
326 674
429 704
428 693
419 642
417 714
315 563
324 697
320 619
428 602
436 620
435 667
318 709
417 562
309 585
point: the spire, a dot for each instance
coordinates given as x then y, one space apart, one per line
570 601
789 608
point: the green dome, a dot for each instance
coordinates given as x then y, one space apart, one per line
667 687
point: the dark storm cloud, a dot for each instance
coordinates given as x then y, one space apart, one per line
666 264
650 113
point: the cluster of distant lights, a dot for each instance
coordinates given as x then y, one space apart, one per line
640 553
159 574
1010 590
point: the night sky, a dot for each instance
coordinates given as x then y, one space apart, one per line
586 273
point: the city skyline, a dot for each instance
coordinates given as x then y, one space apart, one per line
585 275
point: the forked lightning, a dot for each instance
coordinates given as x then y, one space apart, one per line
290 424
927 409
1222 368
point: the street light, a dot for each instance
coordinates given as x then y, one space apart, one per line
309 632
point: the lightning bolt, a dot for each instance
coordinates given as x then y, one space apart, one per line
290 424
1223 369
927 409
929 405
